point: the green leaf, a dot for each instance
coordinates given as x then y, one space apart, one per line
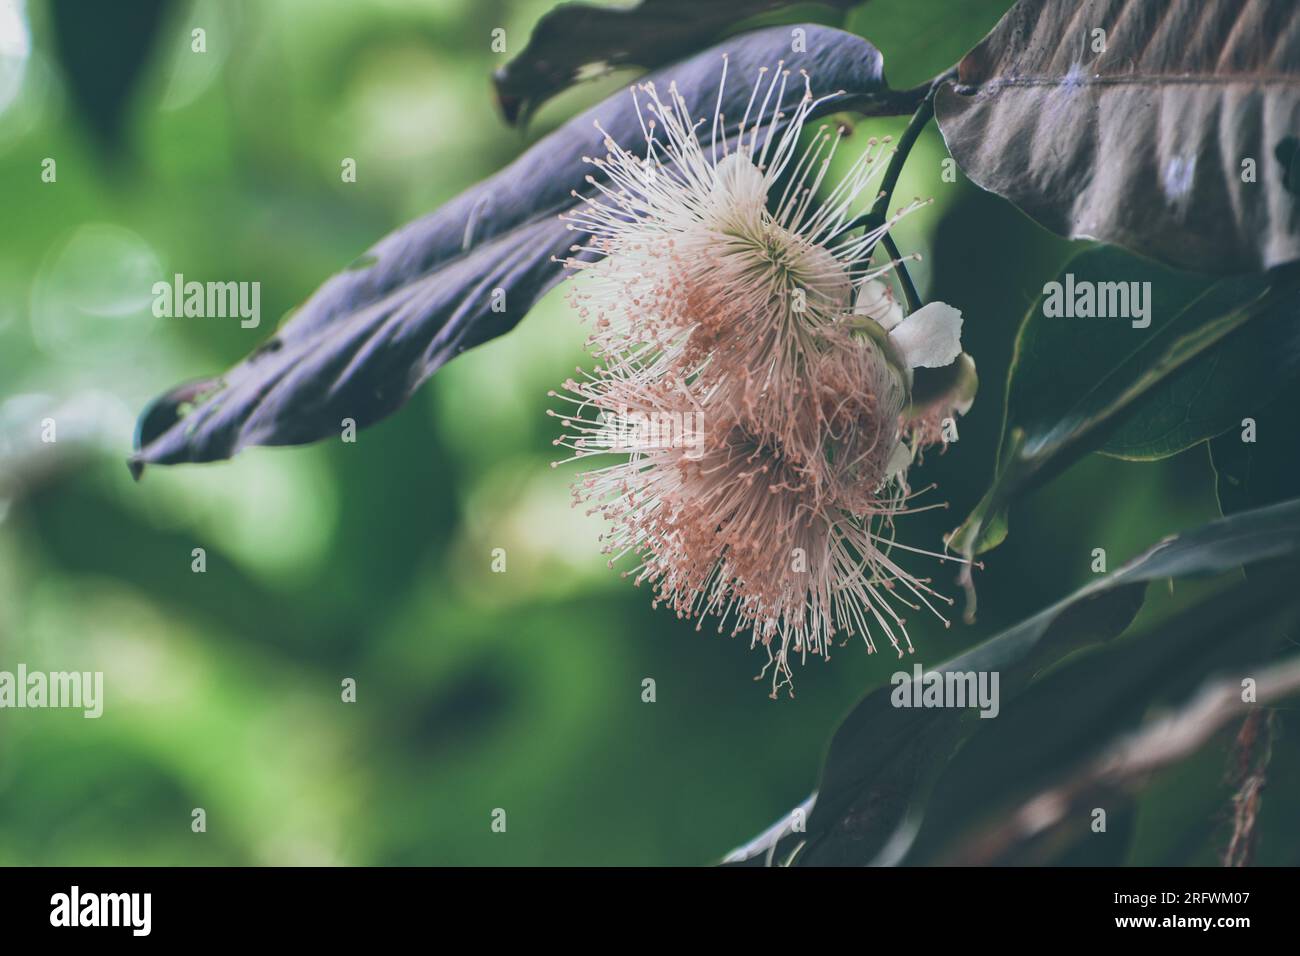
924 38
104 51
1259 463
1156 125
1091 734
1216 391
1076 382
883 759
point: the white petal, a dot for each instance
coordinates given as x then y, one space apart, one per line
737 182
963 391
953 394
930 337
876 300
900 459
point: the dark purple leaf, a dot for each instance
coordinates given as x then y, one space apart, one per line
1157 125
646 34
372 334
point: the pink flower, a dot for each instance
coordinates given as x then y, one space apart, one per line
755 386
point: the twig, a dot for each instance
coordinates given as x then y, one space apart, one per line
1252 752
1124 766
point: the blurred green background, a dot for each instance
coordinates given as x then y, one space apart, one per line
476 690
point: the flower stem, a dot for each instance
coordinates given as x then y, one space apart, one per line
924 113
875 218
909 289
